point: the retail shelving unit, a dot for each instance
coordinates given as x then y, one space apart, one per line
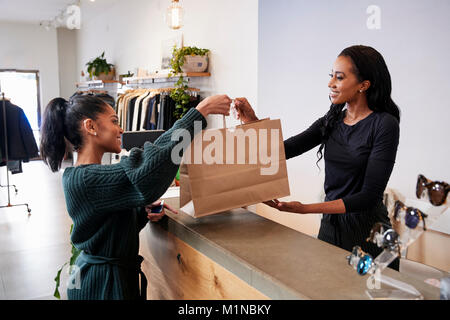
160 80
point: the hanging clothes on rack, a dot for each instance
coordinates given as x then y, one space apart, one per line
124 104
151 114
21 143
138 111
149 109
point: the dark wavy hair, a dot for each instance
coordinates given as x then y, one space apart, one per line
368 64
62 123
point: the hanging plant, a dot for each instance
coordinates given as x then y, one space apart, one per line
179 94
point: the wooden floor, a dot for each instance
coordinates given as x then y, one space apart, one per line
32 248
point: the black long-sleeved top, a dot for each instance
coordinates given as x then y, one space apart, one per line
358 159
106 204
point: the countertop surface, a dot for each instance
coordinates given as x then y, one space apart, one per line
280 262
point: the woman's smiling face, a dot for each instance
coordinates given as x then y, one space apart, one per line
344 84
109 132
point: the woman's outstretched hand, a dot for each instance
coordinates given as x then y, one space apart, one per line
155 217
245 110
219 104
293 206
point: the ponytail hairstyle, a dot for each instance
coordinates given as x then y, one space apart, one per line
368 64
62 124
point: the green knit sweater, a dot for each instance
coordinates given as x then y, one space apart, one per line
106 204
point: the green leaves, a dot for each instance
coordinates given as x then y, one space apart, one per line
179 95
178 55
99 65
75 253
57 280
181 98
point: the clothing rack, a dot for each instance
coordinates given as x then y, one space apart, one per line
111 87
164 90
99 84
155 79
9 205
9 186
93 91
160 78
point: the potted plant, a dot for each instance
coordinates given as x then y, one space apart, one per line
185 59
100 69
189 59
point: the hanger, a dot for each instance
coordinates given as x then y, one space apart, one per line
2 95
6 99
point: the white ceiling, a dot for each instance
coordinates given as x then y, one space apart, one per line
32 11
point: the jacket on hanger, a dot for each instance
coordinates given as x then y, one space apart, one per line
21 142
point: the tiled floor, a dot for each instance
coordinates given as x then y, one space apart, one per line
33 248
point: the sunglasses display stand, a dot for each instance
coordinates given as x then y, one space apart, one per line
401 290
408 235
398 289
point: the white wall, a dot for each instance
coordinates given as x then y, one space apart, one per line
28 46
131 32
298 43
282 67
67 61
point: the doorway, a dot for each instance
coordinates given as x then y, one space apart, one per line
22 87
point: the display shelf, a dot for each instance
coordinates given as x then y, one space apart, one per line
97 84
162 77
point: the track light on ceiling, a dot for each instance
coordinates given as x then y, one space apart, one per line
69 18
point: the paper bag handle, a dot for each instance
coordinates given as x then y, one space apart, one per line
223 116
225 122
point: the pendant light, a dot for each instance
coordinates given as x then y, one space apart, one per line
174 15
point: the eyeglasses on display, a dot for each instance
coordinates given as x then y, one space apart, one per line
384 236
412 215
360 260
437 190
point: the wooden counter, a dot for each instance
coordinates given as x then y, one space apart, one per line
240 255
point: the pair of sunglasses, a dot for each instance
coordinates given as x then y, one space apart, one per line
437 190
384 237
360 260
412 215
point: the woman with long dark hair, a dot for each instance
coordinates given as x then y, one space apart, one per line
107 203
359 136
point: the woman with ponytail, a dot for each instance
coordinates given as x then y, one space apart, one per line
108 203
359 136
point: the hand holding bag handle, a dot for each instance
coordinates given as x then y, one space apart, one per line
234 112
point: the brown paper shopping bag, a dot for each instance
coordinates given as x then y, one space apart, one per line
229 168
